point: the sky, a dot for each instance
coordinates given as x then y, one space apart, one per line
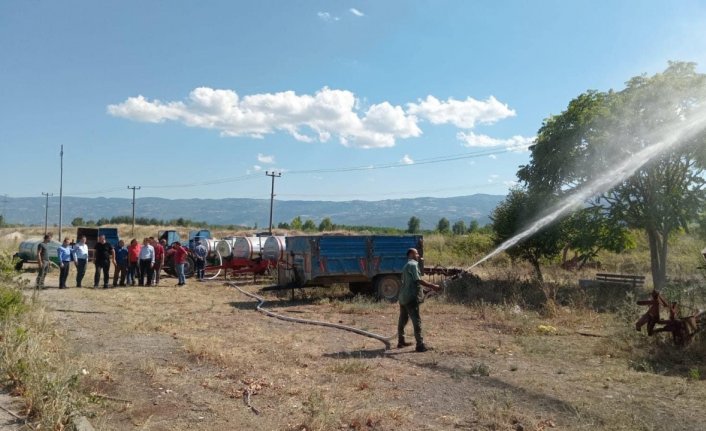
348 100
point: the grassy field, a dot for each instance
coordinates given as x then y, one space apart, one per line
505 358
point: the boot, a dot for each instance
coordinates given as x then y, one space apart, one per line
402 343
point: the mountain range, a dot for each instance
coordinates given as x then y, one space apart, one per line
255 212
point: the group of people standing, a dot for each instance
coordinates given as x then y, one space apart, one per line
135 264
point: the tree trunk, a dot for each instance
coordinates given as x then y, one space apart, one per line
537 270
658 257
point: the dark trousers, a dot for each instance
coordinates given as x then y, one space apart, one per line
200 267
64 274
105 268
407 312
133 271
120 273
80 270
145 270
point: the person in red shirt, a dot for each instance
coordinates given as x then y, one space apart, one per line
180 254
133 259
158 259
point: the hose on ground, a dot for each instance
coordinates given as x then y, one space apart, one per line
384 340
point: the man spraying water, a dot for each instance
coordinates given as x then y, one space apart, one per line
411 296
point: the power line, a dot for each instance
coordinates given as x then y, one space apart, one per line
251 176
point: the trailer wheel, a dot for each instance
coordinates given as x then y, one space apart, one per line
18 265
388 287
189 267
360 287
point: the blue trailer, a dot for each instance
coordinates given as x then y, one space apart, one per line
366 262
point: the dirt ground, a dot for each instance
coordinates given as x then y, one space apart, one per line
192 357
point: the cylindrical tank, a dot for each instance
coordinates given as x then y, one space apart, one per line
210 244
28 250
247 247
225 247
274 248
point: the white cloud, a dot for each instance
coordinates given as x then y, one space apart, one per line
518 143
510 183
320 117
265 159
464 114
327 17
492 156
356 12
407 160
257 168
305 117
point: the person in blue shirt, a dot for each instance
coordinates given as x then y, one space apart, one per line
200 252
120 264
65 255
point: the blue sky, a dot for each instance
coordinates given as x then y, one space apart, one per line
199 99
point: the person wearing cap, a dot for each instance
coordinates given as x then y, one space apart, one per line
42 261
200 252
410 297
64 252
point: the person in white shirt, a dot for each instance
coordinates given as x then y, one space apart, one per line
80 259
147 258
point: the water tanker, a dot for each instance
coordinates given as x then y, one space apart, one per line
224 247
247 247
274 248
28 252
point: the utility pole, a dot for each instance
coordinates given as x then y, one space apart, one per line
272 174
61 188
133 188
4 204
46 210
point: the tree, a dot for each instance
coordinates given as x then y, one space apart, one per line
598 129
283 225
326 225
102 221
78 221
459 228
2 220
515 214
473 226
413 225
296 223
443 226
309 225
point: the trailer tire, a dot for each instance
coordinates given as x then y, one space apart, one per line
357 288
388 287
18 265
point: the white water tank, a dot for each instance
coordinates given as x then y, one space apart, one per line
274 248
247 247
225 247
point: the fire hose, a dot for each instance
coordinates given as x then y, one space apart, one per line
384 340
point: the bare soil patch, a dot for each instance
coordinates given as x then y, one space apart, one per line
169 358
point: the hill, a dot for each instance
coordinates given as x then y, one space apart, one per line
251 212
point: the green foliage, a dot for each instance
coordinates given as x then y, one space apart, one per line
283 225
11 302
514 215
600 128
326 225
296 223
309 226
474 245
459 228
443 226
413 225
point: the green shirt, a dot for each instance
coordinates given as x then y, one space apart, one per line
411 289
